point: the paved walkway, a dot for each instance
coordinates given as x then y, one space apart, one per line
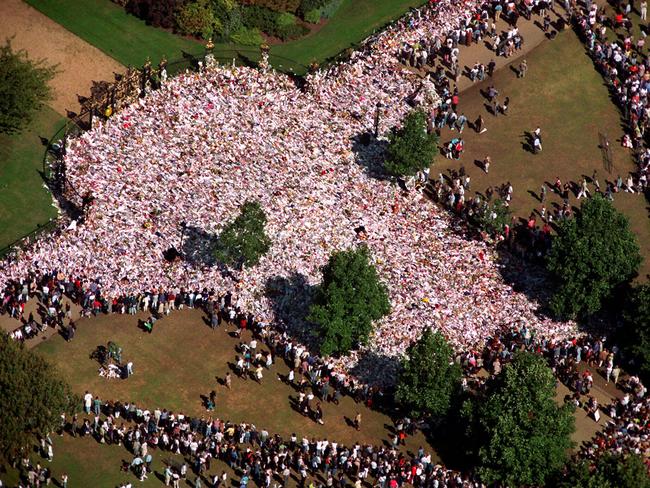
42 38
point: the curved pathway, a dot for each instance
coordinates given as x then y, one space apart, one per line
42 38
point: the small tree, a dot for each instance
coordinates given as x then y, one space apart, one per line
428 378
610 471
348 300
591 256
522 434
23 88
243 242
32 400
411 148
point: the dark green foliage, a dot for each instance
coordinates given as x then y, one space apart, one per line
277 5
491 218
429 377
636 333
32 400
309 5
197 19
159 13
348 300
610 471
522 435
411 148
243 242
261 18
271 22
291 31
592 255
23 88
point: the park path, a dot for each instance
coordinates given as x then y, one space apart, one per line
532 34
79 62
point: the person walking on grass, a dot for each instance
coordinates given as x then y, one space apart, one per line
357 421
584 190
478 125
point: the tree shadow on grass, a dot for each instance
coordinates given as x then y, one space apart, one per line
290 298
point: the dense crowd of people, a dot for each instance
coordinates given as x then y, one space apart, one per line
196 149
193 151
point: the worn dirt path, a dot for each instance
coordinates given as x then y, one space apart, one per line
42 38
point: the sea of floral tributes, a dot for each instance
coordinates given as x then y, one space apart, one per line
203 144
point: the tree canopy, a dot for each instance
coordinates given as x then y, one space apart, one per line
411 148
23 88
610 471
428 377
522 435
636 333
33 397
243 241
348 300
592 255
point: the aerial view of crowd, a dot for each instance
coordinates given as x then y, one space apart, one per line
196 149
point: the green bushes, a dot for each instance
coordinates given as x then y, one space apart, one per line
277 5
313 16
325 11
226 20
282 25
198 19
309 5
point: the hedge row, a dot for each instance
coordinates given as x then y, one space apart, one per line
283 25
241 20
277 5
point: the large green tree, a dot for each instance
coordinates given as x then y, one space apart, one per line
347 302
32 397
610 471
411 148
243 241
428 378
591 256
23 88
522 435
635 335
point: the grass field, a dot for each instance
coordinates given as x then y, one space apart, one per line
129 40
354 21
108 27
184 359
24 202
564 95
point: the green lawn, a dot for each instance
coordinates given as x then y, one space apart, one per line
129 40
24 202
354 21
120 35
182 360
564 95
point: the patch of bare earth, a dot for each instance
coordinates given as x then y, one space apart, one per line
79 62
